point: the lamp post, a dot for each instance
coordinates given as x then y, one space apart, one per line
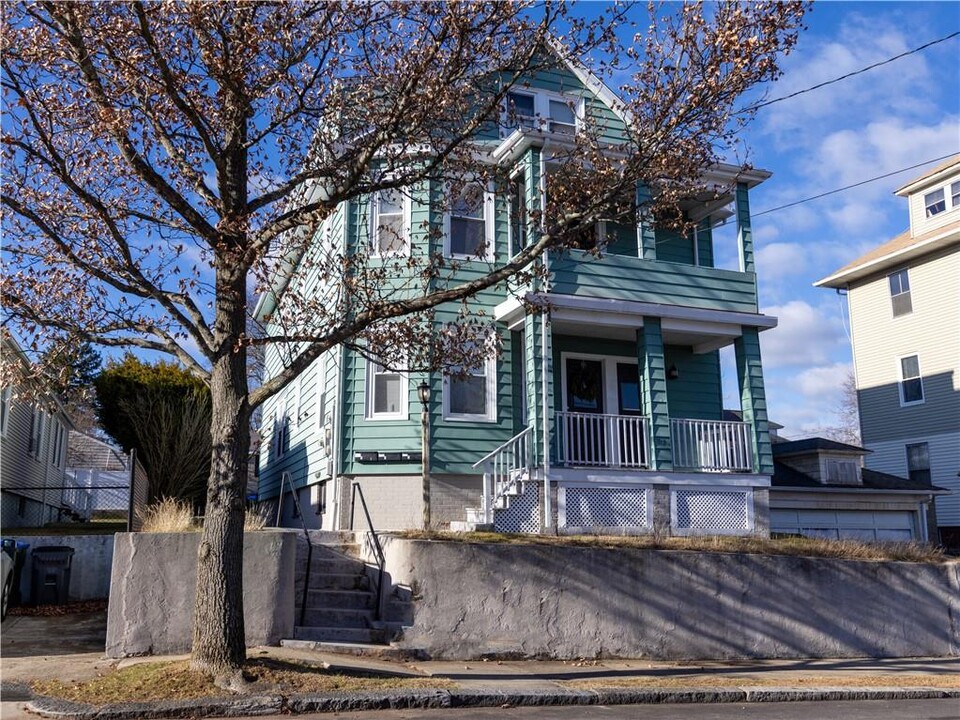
423 391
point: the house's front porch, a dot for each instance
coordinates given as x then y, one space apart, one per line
622 426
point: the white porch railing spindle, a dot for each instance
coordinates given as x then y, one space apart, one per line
712 445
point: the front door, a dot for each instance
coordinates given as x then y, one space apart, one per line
585 434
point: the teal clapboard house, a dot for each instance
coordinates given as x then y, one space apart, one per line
602 413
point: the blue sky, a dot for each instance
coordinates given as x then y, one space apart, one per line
889 118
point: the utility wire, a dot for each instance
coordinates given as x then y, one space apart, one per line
851 74
848 187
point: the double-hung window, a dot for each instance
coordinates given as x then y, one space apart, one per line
900 293
955 194
36 430
389 229
934 203
918 462
469 221
471 393
281 428
56 451
535 110
521 110
387 394
911 382
5 403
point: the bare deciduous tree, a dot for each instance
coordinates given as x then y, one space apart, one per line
161 158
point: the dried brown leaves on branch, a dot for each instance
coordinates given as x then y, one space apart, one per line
162 160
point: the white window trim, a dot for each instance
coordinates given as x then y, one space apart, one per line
403 413
38 422
541 109
611 399
407 208
490 376
6 399
489 223
56 446
279 418
908 292
923 394
320 391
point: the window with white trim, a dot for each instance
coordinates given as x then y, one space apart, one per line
934 203
320 391
955 194
517 226
389 227
471 393
387 393
281 428
918 462
911 381
900 293
36 431
540 109
469 223
5 404
57 449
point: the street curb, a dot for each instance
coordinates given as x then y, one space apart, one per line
433 699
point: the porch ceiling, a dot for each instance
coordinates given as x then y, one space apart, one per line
701 329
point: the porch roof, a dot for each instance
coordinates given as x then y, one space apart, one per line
701 328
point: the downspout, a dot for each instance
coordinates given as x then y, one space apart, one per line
544 390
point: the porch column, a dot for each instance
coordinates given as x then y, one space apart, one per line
648 239
753 399
744 233
653 372
539 370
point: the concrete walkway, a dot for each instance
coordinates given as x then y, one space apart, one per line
70 648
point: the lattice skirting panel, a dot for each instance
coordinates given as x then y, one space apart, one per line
696 510
605 507
522 515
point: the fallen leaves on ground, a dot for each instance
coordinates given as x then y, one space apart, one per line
153 681
797 681
81 606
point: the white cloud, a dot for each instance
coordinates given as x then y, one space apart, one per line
824 381
781 259
805 335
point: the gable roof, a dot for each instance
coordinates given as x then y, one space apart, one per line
892 253
929 177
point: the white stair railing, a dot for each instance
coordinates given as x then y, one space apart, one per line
713 445
598 440
504 469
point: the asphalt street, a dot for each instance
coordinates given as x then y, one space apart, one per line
846 710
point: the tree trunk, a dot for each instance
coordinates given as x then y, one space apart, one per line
219 645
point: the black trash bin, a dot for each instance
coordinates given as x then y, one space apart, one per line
50 581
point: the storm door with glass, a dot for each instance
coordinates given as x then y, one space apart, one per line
584 432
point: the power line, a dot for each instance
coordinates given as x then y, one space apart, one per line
851 74
848 187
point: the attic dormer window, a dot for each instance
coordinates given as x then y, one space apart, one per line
521 108
934 202
842 472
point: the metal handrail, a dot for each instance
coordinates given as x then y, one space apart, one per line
306 535
381 558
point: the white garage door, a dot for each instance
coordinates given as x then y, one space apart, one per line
883 525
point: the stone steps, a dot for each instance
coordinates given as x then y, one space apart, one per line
337 617
369 636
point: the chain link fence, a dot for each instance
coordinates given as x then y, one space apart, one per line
110 487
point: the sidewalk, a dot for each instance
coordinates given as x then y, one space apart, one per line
66 647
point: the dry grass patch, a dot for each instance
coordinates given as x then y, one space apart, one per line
167 516
794 546
799 681
147 682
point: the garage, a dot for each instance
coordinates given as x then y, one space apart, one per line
870 526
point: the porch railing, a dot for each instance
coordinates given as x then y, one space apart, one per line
504 469
596 440
711 445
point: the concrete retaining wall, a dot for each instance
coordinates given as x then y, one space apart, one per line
473 600
89 571
152 596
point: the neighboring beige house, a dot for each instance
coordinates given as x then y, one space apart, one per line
904 300
34 442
